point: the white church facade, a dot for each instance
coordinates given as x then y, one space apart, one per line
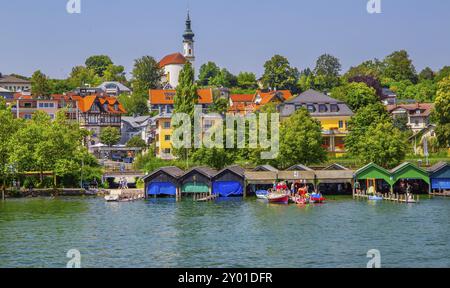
173 64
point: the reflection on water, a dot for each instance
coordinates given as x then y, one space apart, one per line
228 233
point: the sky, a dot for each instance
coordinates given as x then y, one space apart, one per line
237 35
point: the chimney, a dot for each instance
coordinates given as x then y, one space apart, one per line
1 75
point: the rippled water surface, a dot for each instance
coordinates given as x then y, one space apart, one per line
229 233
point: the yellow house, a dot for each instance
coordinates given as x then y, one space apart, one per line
163 137
333 114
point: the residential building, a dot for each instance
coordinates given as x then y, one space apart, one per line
249 103
162 101
14 84
6 94
97 112
417 115
333 115
163 136
173 64
24 106
114 89
142 126
389 97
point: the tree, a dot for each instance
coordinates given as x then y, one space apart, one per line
98 63
40 84
384 145
136 142
207 72
399 67
327 72
219 106
443 73
134 105
8 127
426 74
373 68
301 140
369 81
186 95
81 76
359 95
146 74
214 157
247 80
115 73
279 75
223 79
110 136
441 114
360 123
424 91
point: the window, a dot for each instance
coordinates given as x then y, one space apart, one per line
27 116
27 105
167 138
346 124
311 108
334 108
166 125
341 124
323 108
166 151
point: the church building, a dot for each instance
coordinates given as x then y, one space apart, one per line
173 64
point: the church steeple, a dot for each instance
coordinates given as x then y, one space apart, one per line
188 40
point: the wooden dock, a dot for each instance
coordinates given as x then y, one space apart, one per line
393 197
443 194
205 198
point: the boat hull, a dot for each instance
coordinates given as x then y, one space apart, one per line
278 199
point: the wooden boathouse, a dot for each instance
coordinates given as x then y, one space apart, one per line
440 179
163 182
197 182
229 182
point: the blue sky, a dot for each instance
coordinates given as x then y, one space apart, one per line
239 35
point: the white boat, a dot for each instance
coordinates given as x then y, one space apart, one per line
262 194
112 198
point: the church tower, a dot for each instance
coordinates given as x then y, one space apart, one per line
188 41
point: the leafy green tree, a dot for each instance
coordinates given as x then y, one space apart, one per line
358 95
207 72
443 73
401 122
110 136
219 106
223 79
40 84
399 67
98 63
134 105
8 127
441 115
247 80
360 123
369 81
136 142
301 140
327 72
426 74
60 86
424 91
81 76
306 82
213 157
384 145
146 74
115 73
373 68
186 96
279 75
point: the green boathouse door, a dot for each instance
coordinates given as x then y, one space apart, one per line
193 188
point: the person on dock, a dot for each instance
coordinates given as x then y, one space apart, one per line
357 187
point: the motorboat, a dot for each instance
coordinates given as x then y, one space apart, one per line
262 194
112 198
278 198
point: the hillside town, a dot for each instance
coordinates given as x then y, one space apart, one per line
128 122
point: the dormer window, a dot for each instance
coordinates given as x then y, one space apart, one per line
334 108
311 108
418 112
258 99
323 108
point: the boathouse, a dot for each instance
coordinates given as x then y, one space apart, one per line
440 177
197 181
163 182
299 167
229 182
259 180
332 182
407 173
265 168
373 175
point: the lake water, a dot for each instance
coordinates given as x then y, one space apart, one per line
229 233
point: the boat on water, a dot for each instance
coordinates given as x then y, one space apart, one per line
317 198
375 198
278 198
262 194
112 198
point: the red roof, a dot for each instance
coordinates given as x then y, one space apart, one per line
175 58
166 97
242 97
425 108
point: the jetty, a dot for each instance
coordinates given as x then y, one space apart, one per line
393 197
441 194
205 198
